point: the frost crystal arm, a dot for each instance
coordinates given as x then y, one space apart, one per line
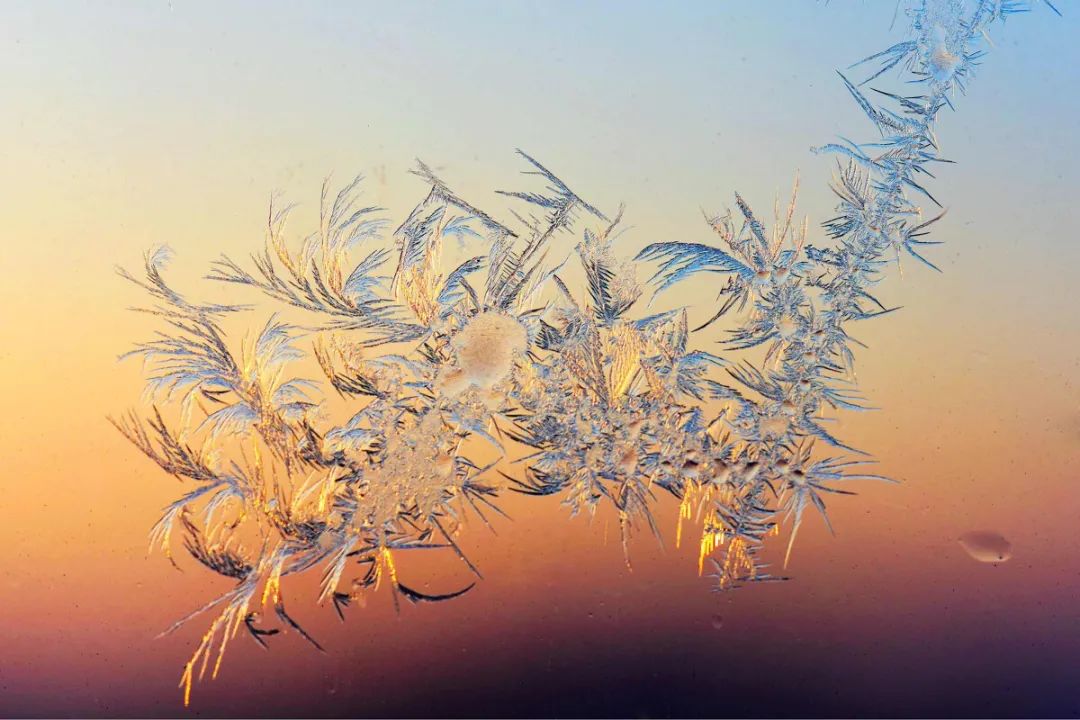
804 296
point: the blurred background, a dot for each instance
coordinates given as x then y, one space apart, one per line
126 125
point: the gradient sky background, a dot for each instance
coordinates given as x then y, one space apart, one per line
127 125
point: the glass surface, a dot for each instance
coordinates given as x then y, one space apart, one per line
129 126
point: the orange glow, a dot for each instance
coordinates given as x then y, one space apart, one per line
173 123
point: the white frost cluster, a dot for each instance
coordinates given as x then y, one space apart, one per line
612 405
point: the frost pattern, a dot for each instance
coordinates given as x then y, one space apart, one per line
614 405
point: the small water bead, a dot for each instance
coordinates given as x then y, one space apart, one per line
986 546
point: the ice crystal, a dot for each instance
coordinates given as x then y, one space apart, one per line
613 405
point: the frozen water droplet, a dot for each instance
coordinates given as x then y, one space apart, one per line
486 348
717 622
986 546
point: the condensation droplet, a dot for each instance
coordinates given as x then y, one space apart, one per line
717 622
986 546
